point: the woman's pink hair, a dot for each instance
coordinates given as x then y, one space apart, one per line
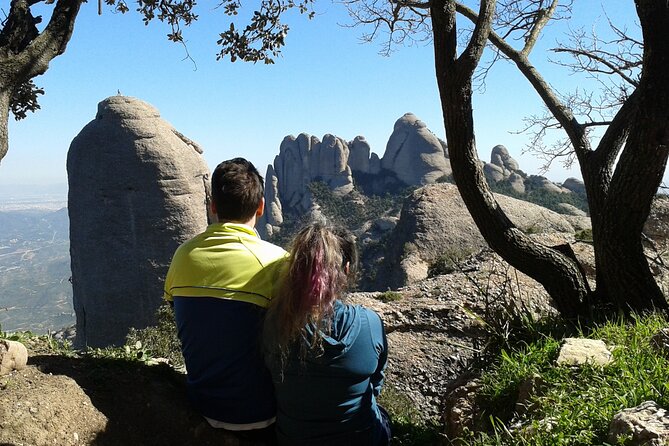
313 279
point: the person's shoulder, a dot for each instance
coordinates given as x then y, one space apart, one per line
375 321
265 251
190 244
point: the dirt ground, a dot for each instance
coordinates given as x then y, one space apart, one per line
59 400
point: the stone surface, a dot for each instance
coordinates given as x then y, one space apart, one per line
657 224
517 183
578 351
272 218
569 209
647 423
137 189
493 173
575 185
359 155
539 182
292 170
13 356
305 159
660 342
329 163
374 164
500 157
435 221
414 153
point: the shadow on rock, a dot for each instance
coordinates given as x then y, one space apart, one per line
144 405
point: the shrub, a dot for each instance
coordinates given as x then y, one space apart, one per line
447 263
160 341
389 296
584 236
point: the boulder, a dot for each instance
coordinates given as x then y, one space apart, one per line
578 351
500 157
374 164
647 424
414 153
575 185
137 190
434 221
13 356
493 173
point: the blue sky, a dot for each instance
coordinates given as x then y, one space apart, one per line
325 82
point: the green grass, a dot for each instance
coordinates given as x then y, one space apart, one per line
578 403
159 341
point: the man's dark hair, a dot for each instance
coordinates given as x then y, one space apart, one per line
236 188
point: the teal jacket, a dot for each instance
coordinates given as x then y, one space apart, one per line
330 398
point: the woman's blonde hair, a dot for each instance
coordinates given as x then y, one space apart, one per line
323 260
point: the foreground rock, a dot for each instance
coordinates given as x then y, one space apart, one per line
577 351
434 329
137 189
647 424
13 356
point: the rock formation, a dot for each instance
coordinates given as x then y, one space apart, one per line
575 185
501 165
137 189
414 154
435 222
359 155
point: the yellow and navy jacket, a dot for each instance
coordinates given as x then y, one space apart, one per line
221 281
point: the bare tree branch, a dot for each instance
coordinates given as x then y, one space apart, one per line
562 114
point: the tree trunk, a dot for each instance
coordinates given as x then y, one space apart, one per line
5 100
624 275
555 271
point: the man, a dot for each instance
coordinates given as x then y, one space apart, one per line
220 282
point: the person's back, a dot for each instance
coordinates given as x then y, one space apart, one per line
220 283
328 373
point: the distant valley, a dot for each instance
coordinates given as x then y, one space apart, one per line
34 264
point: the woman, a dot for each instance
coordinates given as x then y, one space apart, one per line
326 357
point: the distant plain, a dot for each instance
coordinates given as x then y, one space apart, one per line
35 292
